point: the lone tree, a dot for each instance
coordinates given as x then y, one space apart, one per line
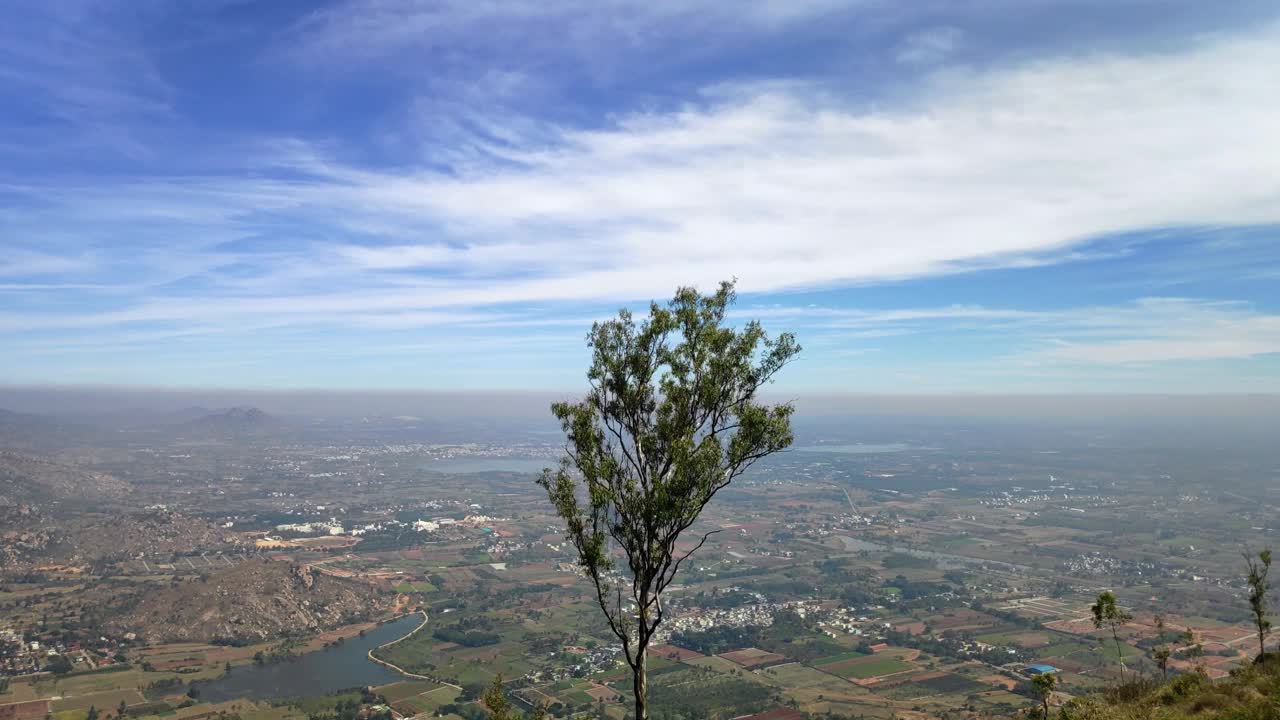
670 420
1161 652
1044 683
1107 613
1257 580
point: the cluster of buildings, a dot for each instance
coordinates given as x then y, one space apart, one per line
332 527
21 655
1096 563
852 621
588 661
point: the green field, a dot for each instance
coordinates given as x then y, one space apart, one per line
867 667
409 688
842 657
108 699
422 587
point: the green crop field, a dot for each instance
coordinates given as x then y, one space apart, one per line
842 657
867 667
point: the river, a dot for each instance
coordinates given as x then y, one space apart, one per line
317 673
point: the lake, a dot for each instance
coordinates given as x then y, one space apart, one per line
944 559
318 673
470 464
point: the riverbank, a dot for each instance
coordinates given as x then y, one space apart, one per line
399 669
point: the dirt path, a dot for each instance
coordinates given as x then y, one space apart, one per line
401 670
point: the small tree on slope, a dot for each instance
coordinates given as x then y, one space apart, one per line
1107 613
670 420
1044 683
1257 580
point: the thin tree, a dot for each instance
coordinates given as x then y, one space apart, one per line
1257 580
1107 613
669 421
1161 652
1194 651
1044 683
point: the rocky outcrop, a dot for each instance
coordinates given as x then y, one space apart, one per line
258 600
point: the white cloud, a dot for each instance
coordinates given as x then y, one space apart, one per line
372 28
786 189
780 185
1150 330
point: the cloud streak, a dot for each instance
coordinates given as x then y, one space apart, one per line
789 184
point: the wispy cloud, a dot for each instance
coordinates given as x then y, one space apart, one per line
791 184
931 46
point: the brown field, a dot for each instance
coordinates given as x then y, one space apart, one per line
674 652
601 692
752 657
1077 626
962 618
28 710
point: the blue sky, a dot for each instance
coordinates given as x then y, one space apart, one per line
961 196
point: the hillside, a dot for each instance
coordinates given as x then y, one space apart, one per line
256 600
1251 693
28 479
29 538
154 535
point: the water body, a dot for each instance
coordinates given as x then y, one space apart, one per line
466 464
945 560
854 448
318 673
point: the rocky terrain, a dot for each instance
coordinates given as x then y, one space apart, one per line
28 479
25 536
29 538
155 534
257 600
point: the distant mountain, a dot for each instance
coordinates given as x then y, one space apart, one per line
232 422
30 431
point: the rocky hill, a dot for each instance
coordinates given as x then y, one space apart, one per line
254 601
153 534
29 538
27 479
25 536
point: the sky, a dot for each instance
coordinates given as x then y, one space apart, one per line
969 196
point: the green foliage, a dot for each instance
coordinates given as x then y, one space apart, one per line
1044 684
669 421
898 560
1257 581
466 638
1251 693
500 706
1109 614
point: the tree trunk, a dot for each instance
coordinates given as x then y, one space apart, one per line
1119 655
640 686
